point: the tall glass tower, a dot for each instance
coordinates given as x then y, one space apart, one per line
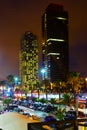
28 59
55 48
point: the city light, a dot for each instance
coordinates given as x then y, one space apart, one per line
52 39
43 73
16 80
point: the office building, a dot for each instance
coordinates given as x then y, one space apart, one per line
28 59
55 48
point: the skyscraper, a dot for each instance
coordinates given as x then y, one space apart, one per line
28 58
55 48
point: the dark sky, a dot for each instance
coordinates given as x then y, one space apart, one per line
18 16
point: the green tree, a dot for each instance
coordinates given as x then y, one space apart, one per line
76 84
25 90
53 101
46 84
31 88
10 79
60 113
7 101
35 99
10 82
38 85
66 99
58 88
43 100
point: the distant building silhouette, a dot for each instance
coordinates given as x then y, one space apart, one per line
28 58
55 48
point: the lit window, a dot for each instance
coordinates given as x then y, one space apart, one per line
53 53
57 58
43 43
49 43
51 39
61 18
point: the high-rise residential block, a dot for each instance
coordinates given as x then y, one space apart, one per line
28 62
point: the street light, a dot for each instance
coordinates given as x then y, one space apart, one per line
51 85
86 82
16 80
43 73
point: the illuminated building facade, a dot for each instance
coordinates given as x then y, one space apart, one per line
28 59
55 48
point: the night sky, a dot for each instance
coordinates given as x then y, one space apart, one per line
18 16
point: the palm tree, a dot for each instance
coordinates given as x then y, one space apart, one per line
60 113
10 79
10 82
46 84
58 88
43 100
7 101
53 101
31 88
35 99
66 99
25 90
74 81
76 84
38 87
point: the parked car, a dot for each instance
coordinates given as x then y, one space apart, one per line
50 118
70 115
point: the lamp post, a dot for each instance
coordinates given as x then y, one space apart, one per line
59 90
51 86
16 80
43 73
86 82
